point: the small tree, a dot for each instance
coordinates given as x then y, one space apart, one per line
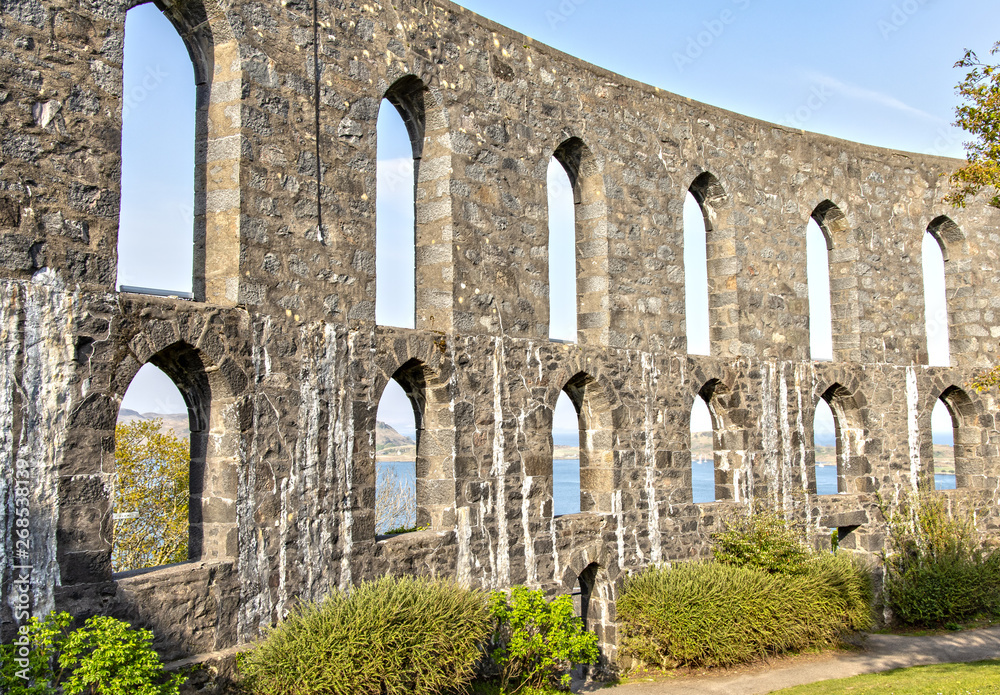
151 490
979 115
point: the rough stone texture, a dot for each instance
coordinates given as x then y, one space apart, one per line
282 365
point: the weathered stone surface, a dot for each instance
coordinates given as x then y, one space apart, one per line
282 365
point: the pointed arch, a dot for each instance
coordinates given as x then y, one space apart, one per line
726 436
401 112
940 282
598 473
968 437
842 256
591 224
218 73
722 265
435 459
853 470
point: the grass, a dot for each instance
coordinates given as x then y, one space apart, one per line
940 679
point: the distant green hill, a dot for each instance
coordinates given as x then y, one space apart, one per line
390 445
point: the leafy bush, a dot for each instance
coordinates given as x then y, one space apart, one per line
387 637
104 657
936 571
760 538
714 614
536 642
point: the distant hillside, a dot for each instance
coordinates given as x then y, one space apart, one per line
390 445
177 423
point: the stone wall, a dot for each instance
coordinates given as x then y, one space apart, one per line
282 365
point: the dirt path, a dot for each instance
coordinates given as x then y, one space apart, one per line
880 653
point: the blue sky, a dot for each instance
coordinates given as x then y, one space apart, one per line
875 72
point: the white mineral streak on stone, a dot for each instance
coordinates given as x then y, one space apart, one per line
9 338
616 509
498 471
343 433
800 429
322 533
255 599
650 378
530 566
303 474
463 562
912 424
786 443
769 431
49 311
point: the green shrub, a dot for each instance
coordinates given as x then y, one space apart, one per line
713 614
388 637
760 538
104 657
936 571
536 642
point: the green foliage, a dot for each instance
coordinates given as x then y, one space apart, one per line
936 570
713 614
389 637
979 115
104 657
536 642
760 538
152 470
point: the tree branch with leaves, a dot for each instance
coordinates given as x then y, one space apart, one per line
151 493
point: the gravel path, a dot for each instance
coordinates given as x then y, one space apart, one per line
880 653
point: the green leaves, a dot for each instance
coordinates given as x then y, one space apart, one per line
152 470
936 571
979 115
762 539
710 614
535 641
104 657
389 637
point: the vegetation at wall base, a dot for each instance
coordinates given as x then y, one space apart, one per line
760 538
764 594
535 642
936 570
104 657
412 636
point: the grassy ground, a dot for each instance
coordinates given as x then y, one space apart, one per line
941 679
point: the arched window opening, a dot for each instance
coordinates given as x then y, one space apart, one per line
696 277
565 457
150 489
943 437
156 230
395 213
818 273
935 301
825 449
702 452
583 595
396 442
853 469
591 308
562 253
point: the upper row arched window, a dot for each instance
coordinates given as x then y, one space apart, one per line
180 186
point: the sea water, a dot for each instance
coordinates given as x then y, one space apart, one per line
566 481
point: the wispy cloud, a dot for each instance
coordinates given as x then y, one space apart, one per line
853 91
